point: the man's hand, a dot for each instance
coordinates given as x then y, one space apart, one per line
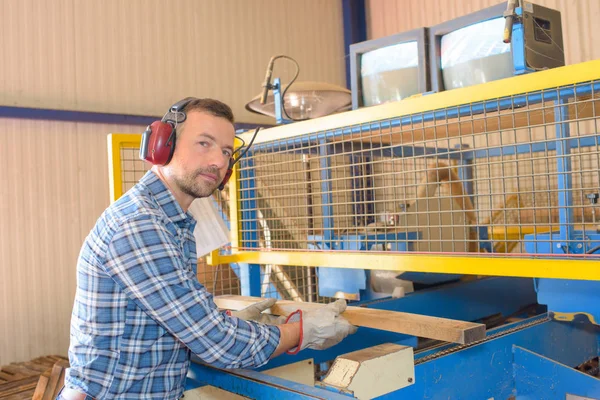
322 328
254 313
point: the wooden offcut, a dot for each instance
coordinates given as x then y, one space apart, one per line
447 330
51 382
18 381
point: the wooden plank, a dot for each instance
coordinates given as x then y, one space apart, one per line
26 395
40 389
4 376
447 330
56 380
18 386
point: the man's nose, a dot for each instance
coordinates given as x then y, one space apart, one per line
218 159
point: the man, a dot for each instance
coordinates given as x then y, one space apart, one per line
140 312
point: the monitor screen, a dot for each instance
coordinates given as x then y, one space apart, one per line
390 73
475 54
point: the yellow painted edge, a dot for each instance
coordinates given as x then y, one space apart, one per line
116 141
569 317
467 265
556 77
515 233
213 258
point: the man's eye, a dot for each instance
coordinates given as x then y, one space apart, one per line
227 154
203 144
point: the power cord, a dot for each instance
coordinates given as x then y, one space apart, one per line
267 84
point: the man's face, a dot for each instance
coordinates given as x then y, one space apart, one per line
202 153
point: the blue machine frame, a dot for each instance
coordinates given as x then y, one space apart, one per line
513 360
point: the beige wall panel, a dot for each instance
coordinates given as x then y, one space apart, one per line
55 185
38 58
386 17
139 56
125 57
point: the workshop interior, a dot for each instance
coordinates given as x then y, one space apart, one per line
446 186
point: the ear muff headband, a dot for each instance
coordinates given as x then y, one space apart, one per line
158 140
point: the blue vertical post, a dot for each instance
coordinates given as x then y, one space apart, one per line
362 190
326 191
465 171
563 165
249 273
369 191
355 28
278 102
357 190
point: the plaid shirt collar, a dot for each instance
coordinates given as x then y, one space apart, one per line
165 199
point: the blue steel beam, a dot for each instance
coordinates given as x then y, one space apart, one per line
538 377
94 117
355 28
326 191
484 371
563 167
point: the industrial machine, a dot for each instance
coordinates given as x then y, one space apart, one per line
477 204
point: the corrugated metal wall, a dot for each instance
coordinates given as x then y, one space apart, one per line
139 56
54 186
386 17
126 57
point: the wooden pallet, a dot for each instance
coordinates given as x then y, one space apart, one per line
19 380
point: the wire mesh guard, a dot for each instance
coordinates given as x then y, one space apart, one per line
515 175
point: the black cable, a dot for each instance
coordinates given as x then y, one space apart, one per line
288 86
593 250
246 148
239 148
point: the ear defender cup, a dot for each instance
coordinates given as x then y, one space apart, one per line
158 140
158 143
227 174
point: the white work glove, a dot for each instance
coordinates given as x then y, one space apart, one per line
254 313
322 328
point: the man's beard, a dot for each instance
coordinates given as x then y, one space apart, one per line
190 185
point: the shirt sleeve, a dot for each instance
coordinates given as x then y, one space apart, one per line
146 261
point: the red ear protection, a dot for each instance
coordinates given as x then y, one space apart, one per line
158 140
158 143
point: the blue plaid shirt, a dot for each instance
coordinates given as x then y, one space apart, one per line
139 309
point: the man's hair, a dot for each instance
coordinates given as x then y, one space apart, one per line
211 106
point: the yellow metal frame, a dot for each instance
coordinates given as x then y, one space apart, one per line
526 267
516 266
116 142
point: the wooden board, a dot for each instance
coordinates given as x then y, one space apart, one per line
19 380
444 329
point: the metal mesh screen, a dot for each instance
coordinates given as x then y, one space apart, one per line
510 175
